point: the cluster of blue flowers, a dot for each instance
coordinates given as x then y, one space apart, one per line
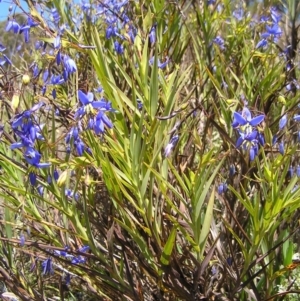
14 26
96 120
47 264
26 127
273 31
91 113
250 137
74 259
116 21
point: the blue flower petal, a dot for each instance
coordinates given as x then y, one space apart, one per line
281 148
257 120
274 139
252 154
261 44
43 165
282 122
239 142
83 98
32 178
239 118
251 136
296 117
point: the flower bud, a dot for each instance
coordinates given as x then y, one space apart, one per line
281 99
26 79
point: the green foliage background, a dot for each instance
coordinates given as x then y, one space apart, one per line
157 227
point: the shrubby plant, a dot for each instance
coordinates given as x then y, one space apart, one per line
149 151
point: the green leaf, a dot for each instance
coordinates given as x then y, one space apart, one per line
168 248
207 222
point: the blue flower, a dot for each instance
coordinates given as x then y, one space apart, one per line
249 137
88 104
73 134
111 31
25 29
264 19
70 65
245 118
81 258
261 44
220 42
291 171
33 158
28 134
171 145
292 84
119 5
98 122
22 118
70 194
282 122
118 47
159 63
252 153
58 58
152 35
2 48
85 6
211 2
275 30
238 14
64 253
38 45
55 175
31 22
5 60
83 249
55 16
68 279
35 70
261 139
139 104
101 120
25 142
47 266
80 147
274 139
22 240
40 190
298 170
32 178
222 188
276 17
24 127
13 25
232 170
246 136
132 32
281 148
229 261
57 80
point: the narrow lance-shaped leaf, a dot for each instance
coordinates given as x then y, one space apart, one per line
207 222
168 248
